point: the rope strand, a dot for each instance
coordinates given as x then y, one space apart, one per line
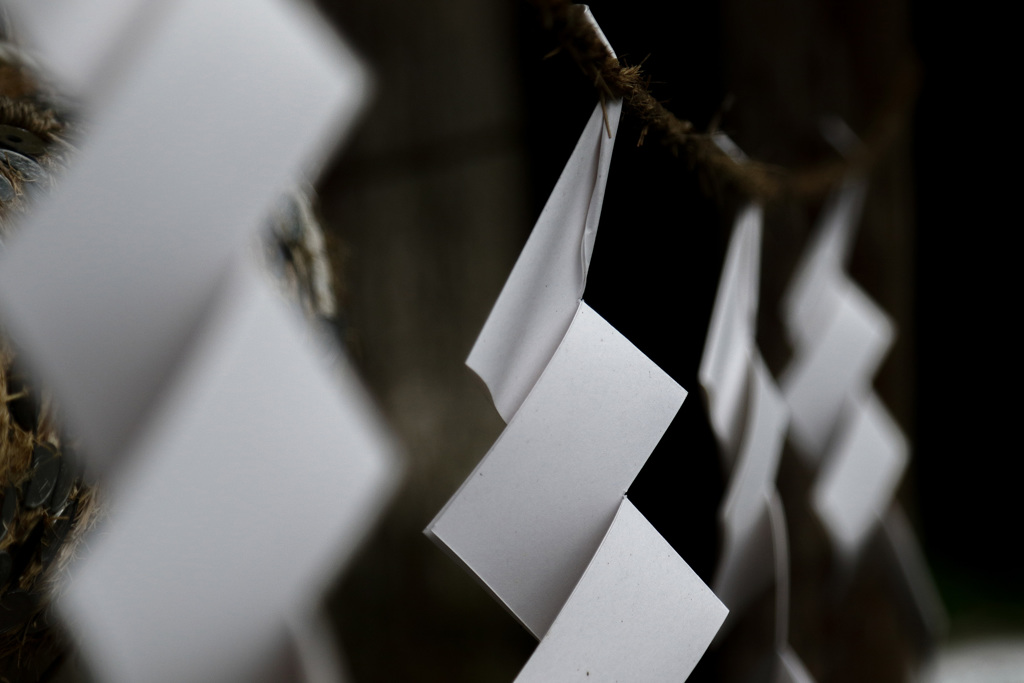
757 180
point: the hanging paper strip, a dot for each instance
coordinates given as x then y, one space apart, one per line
748 417
840 337
222 107
542 521
242 466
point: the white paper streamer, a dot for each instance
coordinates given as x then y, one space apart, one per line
242 468
529 518
860 476
729 349
841 337
585 408
257 479
541 295
748 417
112 279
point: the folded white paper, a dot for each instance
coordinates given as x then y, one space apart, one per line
837 365
859 477
260 476
729 348
529 518
639 613
747 566
113 277
812 296
540 297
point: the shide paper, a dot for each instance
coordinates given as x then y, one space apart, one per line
838 424
242 466
860 475
112 280
729 349
747 413
813 295
542 522
529 518
747 566
639 613
839 364
540 297
749 418
239 509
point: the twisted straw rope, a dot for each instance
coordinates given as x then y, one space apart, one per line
757 180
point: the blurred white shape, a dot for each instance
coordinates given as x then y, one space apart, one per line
747 564
730 348
113 278
78 40
638 614
812 296
835 366
261 474
993 660
729 146
860 474
529 518
541 295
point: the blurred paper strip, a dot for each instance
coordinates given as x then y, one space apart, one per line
114 278
541 295
860 474
729 348
811 297
837 365
747 565
638 614
529 518
261 475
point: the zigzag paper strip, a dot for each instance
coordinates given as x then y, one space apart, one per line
542 521
840 338
532 514
243 466
224 108
749 418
